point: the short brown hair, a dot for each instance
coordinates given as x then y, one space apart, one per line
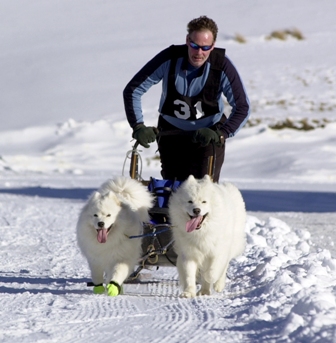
203 23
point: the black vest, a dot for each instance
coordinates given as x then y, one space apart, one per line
184 107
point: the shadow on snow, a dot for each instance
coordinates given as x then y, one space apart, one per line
62 283
256 200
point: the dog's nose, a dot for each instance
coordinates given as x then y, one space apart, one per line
197 211
101 224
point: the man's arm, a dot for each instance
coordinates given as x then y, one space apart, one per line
149 75
234 91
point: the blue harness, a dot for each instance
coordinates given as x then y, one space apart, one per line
162 190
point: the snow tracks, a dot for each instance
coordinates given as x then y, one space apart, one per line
281 290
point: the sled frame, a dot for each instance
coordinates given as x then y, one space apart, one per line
155 252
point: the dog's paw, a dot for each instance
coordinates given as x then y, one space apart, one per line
204 292
100 289
219 286
114 289
188 295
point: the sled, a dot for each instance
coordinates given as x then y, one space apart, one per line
157 240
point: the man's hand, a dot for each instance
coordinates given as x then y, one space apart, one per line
205 136
144 135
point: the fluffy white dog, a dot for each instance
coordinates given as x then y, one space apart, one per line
208 222
112 214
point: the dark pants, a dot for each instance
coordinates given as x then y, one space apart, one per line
180 157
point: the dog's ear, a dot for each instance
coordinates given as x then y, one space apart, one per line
95 195
191 178
207 178
112 195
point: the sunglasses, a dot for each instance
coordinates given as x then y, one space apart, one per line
196 46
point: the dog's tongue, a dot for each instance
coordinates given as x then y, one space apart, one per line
102 235
193 223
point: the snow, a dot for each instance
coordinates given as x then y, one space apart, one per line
63 132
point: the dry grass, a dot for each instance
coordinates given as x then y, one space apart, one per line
296 33
284 34
277 34
240 38
304 124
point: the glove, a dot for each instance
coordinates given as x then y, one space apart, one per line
205 136
144 134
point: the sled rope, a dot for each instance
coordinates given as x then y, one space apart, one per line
151 252
161 250
154 253
151 234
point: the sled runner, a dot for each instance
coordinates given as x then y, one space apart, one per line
157 240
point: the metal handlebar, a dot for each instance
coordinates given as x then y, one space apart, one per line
134 172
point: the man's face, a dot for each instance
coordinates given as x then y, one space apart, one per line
198 39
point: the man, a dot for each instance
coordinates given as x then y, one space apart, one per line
194 76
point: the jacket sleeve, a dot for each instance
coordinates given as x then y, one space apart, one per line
234 91
149 75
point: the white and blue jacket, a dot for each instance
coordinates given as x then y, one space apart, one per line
191 98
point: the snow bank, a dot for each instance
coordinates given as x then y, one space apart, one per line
286 282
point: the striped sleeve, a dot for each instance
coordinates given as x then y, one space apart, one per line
234 91
149 75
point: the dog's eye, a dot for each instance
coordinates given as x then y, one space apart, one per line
95 215
108 215
204 202
190 202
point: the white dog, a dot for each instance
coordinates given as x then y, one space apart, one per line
112 214
208 222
